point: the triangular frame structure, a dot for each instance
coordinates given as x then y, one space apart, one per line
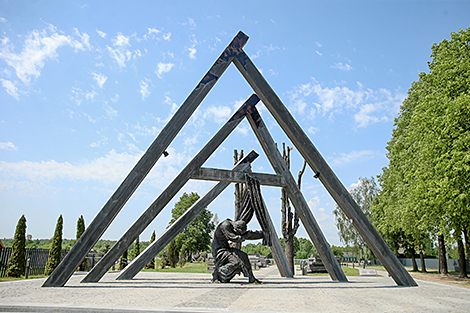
234 53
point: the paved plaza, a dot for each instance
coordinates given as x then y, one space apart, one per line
180 292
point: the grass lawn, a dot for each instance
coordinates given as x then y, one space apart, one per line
2 279
348 271
187 268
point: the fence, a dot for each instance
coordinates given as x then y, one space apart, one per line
38 259
452 264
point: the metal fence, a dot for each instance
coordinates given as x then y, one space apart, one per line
37 264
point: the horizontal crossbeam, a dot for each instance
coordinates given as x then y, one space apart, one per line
214 174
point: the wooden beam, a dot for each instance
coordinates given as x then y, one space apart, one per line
213 174
295 195
174 229
106 215
326 175
172 189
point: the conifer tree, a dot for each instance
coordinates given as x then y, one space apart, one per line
136 248
17 262
56 248
123 262
80 231
152 262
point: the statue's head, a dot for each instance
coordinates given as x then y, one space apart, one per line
240 227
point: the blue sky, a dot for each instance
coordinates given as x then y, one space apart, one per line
87 86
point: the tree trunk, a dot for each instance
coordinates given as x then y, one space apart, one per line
239 190
413 260
467 244
462 261
423 264
442 255
290 252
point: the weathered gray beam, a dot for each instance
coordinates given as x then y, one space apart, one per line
213 174
174 229
109 211
172 189
295 195
326 174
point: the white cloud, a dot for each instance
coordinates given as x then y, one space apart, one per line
8 146
353 157
38 47
366 105
144 88
218 114
3 20
171 103
120 40
152 32
10 88
192 53
100 79
191 22
121 56
343 67
110 111
163 68
319 53
101 34
167 36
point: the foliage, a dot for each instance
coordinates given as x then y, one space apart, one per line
364 193
80 231
56 249
196 236
136 249
123 261
152 262
17 262
257 248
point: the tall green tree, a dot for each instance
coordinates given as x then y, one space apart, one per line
17 261
429 151
136 247
152 262
196 236
80 231
364 193
56 248
123 261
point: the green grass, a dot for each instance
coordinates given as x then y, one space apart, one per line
187 268
2 279
348 271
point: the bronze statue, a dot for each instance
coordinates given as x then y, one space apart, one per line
230 261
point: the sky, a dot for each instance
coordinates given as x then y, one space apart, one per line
86 87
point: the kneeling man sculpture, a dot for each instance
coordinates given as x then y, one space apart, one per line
230 261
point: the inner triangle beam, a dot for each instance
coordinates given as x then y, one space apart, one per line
172 189
295 195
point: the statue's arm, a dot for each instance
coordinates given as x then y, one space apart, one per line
253 235
230 234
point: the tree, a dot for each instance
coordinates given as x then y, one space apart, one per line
123 261
56 248
136 247
197 235
152 262
428 152
17 262
290 220
80 231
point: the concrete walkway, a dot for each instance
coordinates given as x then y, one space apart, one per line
178 292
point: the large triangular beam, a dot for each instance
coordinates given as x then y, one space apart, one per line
174 229
172 189
326 175
104 218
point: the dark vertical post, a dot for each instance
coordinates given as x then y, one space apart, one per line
107 214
